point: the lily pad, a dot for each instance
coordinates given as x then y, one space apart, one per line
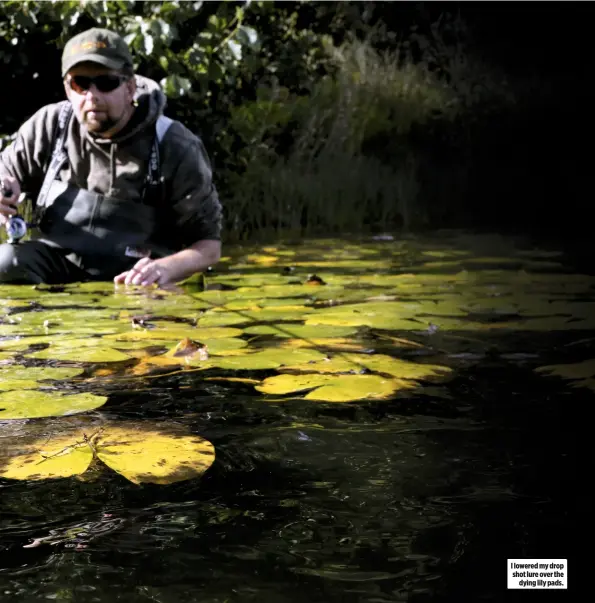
96 353
30 404
335 388
139 453
306 331
265 359
378 363
37 373
150 456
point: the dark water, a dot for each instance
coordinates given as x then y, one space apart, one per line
416 499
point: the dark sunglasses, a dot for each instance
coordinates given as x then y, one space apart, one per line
104 83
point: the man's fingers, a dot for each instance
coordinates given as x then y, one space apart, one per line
144 273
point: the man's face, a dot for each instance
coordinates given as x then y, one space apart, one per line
102 111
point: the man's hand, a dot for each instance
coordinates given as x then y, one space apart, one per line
173 268
10 191
144 273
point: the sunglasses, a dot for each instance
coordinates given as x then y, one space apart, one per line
104 83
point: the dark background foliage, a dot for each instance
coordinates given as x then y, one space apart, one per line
492 138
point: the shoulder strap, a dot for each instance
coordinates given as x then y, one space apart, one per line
161 126
59 155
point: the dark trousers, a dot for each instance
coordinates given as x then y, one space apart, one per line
35 262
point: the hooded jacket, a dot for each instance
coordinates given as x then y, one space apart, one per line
188 210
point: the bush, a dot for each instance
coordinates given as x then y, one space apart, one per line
311 128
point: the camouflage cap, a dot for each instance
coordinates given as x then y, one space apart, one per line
97 46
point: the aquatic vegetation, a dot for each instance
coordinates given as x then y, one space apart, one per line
326 322
136 451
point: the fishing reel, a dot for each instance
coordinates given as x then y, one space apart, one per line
16 227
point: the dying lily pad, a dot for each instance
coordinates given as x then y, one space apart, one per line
139 453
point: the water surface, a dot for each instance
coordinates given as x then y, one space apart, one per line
417 495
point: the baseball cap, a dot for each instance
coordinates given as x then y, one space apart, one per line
96 45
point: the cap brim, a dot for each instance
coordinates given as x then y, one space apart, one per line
92 58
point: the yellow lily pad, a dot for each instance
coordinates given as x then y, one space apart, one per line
58 456
140 453
150 456
30 404
335 388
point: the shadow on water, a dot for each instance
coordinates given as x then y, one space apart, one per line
420 497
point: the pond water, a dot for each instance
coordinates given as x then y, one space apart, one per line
356 420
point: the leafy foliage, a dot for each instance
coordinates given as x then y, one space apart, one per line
286 95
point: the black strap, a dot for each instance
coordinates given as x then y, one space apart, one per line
59 155
154 180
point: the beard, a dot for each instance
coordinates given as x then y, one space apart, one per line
99 125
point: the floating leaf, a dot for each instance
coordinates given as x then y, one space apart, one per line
148 455
89 354
173 333
328 343
268 359
153 455
37 373
335 388
306 331
30 404
58 456
219 317
378 363
576 370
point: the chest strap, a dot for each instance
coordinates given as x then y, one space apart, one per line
59 156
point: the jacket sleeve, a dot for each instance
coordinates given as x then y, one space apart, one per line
26 158
194 201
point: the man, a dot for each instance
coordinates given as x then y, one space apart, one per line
112 201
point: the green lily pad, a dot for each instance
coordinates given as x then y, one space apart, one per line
216 317
7 384
378 315
30 404
37 373
268 359
97 353
335 388
378 363
306 331
575 370
221 319
59 321
173 332
22 343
